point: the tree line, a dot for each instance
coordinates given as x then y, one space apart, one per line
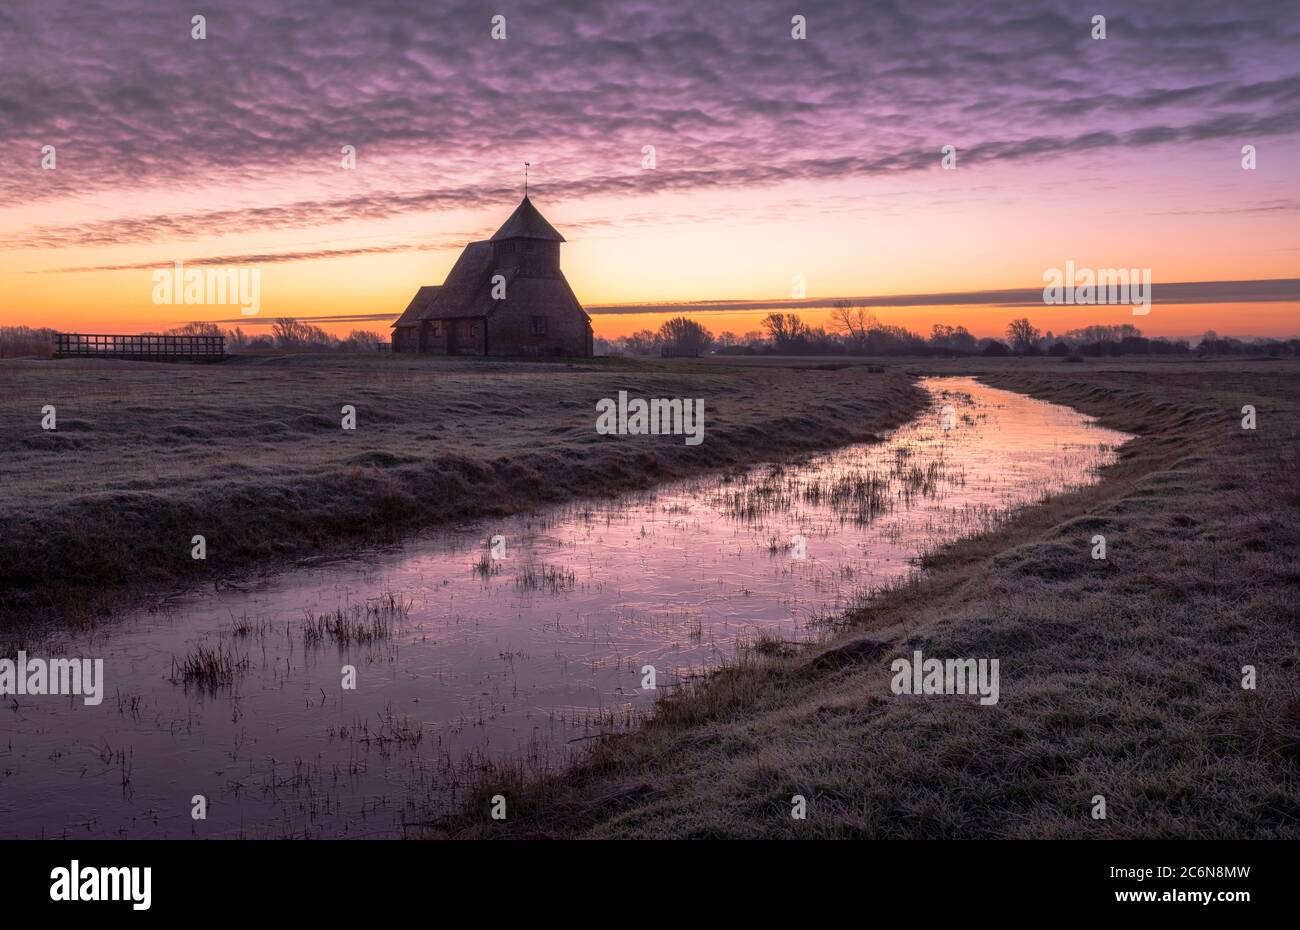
286 335
855 331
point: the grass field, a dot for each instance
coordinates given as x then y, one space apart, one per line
251 454
1121 678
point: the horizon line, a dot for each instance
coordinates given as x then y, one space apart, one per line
1257 290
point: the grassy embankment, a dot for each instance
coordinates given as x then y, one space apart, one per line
251 455
1120 678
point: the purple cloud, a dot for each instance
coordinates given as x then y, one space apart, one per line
721 90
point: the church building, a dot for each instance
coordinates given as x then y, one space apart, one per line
504 296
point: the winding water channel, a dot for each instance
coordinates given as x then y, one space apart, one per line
466 649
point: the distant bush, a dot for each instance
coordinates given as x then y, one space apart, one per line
681 336
23 340
287 335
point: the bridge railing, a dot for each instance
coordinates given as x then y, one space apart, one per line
157 348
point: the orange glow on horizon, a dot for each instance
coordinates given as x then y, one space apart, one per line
928 233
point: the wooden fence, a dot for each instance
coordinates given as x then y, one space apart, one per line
156 348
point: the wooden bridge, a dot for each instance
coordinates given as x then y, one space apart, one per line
151 348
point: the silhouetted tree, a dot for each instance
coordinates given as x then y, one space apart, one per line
684 335
1022 335
852 323
784 329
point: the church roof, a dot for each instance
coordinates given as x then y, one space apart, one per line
419 303
527 222
468 285
467 292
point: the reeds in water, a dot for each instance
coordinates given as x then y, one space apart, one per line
357 624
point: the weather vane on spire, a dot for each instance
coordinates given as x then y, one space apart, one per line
526 164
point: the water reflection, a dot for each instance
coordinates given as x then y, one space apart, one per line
461 651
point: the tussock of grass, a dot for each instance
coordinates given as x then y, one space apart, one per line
209 666
357 624
245 626
549 578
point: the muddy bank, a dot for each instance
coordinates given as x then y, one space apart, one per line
1120 678
102 511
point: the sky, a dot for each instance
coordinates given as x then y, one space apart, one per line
782 168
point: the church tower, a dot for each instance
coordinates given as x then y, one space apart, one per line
527 244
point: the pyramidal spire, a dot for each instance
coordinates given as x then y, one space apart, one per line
527 222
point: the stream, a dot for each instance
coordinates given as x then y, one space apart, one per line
512 638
